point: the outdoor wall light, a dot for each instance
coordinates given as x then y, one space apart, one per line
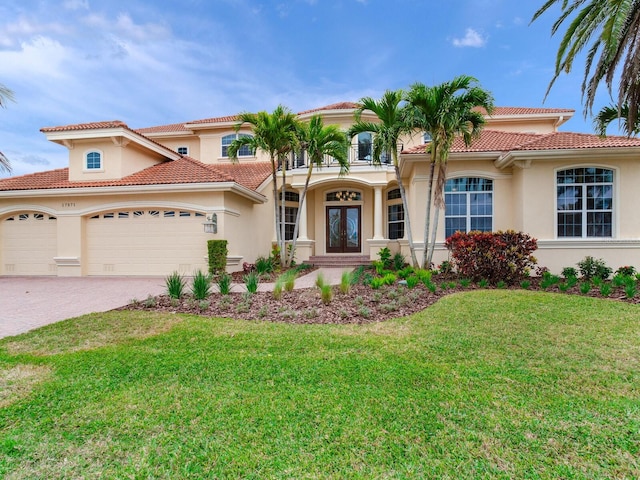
211 225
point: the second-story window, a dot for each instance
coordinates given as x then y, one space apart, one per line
183 150
244 151
365 142
93 160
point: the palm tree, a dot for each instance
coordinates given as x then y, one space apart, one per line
5 95
614 26
277 134
319 141
609 114
391 126
444 112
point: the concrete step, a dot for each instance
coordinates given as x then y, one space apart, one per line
338 260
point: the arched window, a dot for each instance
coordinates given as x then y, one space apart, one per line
395 215
584 202
468 205
244 151
93 160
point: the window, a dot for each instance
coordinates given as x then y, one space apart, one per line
183 150
93 161
395 215
365 141
245 150
468 205
585 202
290 214
344 196
426 137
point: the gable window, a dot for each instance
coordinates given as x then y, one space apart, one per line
468 205
395 215
183 150
93 160
584 202
244 151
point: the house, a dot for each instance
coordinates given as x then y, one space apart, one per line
133 202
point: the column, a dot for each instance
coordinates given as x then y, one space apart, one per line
377 214
302 234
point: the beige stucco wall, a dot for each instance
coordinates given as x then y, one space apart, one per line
117 160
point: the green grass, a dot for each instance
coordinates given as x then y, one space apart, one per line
484 384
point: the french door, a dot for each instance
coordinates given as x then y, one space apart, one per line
343 229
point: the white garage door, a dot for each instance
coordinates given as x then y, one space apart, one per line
146 242
29 243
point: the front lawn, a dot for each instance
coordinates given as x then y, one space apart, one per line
483 384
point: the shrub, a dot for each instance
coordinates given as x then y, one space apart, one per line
201 285
432 287
251 282
569 272
224 284
389 279
501 284
412 281
175 285
585 287
465 282
630 289
399 261
591 268
376 283
357 276
605 289
277 289
264 265
483 283
405 272
385 258
493 256
525 284
627 271
289 280
217 256
549 280
446 267
424 275
326 293
345 282
320 281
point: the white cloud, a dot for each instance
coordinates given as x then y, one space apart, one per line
470 39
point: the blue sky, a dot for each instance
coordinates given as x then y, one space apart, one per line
151 63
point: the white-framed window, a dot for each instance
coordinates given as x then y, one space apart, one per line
244 151
426 137
183 150
584 202
395 215
93 160
468 205
291 205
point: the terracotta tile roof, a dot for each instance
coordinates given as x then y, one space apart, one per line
86 126
226 119
497 141
489 141
529 111
184 170
251 175
333 106
174 127
569 140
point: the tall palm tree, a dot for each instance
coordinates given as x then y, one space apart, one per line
317 142
392 124
444 112
5 95
613 28
277 134
610 113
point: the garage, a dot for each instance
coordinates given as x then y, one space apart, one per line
145 242
29 244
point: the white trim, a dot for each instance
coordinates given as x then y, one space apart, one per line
85 161
603 243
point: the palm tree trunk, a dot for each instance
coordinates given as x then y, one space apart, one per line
439 204
283 237
301 205
276 205
427 217
432 244
407 217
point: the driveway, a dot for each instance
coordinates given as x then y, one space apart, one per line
31 302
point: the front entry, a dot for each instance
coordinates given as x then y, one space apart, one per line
343 229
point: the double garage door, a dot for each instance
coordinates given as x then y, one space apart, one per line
131 242
145 242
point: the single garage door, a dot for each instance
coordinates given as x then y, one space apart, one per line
146 242
29 243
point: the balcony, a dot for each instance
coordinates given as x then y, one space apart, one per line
358 155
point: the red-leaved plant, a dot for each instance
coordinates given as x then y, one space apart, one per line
493 256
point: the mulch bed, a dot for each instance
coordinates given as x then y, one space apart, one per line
360 305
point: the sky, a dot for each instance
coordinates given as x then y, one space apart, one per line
150 62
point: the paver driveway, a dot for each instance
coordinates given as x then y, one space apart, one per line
31 302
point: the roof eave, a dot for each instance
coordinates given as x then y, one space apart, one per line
509 158
140 189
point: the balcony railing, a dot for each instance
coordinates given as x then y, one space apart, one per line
358 155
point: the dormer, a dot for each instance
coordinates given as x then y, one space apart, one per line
110 150
528 120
